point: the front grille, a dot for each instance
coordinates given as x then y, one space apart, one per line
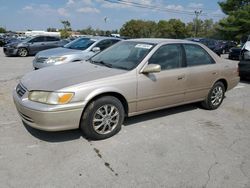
41 59
20 90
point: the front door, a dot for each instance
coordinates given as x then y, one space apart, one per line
166 88
37 44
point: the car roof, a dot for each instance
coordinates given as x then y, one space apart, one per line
100 37
161 40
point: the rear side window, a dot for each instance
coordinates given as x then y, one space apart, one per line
50 39
196 55
168 56
106 43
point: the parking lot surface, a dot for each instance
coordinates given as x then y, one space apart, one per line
179 147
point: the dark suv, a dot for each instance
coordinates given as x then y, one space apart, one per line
31 46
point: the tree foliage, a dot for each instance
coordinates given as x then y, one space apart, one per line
139 29
237 23
2 30
51 29
173 28
66 28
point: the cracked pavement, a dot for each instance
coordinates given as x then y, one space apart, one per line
179 147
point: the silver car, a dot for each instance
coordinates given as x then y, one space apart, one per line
130 78
77 50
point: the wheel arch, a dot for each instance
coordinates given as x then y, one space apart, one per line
224 81
116 94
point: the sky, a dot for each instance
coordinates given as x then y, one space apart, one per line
19 15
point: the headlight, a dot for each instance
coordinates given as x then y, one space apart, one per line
55 59
51 97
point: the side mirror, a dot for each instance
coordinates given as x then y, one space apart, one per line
151 68
96 49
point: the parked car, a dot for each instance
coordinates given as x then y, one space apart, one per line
77 50
30 46
210 43
130 78
244 65
2 41
226 46
234 53
8 40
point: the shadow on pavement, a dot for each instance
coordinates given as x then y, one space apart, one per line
245 81
161 113
64 136
61 136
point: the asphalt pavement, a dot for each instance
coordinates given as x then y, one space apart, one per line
185 146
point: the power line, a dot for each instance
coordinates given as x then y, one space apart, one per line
159 8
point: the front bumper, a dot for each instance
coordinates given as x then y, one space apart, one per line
10 51
48 117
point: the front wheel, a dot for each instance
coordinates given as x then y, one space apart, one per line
102 118
215 97
23 52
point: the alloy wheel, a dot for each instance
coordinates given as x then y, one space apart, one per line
106 119
217 95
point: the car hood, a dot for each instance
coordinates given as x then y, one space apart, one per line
58 52
13 43
62 76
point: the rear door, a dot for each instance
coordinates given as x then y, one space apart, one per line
37 44
157 90
202 71
52 42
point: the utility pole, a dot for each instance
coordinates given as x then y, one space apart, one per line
197 14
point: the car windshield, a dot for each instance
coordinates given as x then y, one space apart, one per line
123 55
80 44
27 39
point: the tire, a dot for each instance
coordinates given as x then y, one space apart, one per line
22 52
214 97
99 121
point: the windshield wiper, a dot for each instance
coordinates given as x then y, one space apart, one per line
101 63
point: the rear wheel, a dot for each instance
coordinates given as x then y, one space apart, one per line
102 118
215 97
23 52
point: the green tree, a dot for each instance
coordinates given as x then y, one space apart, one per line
237 22
173 28
178 29
139 29
51 29
2 30
66 28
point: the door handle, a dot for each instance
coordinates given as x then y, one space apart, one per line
214 73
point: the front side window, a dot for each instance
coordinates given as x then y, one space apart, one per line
196 55
50 39
168 56
123 55
38 39
80 44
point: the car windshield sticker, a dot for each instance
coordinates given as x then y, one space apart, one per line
145 46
